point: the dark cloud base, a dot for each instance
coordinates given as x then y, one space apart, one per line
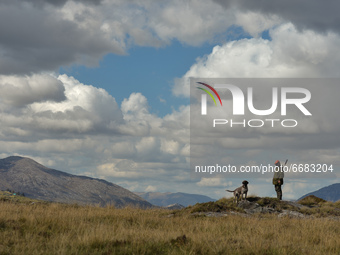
304 14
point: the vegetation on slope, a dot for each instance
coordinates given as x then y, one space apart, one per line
13 197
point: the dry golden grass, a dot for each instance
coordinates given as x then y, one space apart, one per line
312 201
48 228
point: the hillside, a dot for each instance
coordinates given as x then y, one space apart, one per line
329 193
168 198
36 181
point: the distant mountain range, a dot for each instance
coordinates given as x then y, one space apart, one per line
26 176
168 198
329 193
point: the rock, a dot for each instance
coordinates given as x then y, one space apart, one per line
260 210
244 204
291 214
296 205
239 214
209 214
219 214
252 207
215 214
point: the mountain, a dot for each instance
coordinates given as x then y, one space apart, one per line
168 198
26 176
329 193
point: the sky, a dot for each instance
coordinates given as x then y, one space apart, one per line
101 88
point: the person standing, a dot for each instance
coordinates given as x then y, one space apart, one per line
278 179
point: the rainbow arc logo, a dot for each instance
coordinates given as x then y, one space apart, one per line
209 93
204 97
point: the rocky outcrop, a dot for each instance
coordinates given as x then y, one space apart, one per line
292 214
256 206
253 207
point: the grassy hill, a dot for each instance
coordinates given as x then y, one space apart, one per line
34 227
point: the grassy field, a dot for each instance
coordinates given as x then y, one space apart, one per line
28 227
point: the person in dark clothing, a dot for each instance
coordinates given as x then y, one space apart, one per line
278 179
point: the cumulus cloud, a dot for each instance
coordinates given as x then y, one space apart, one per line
213 182
84 98
290 53
137 104
60 33
44 35
83 130
193 22
20 91
39 39
255 23
48 105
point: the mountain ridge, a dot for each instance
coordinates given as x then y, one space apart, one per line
169 198
329 193
37 181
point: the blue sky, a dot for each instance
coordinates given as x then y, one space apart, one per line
101 88
150 70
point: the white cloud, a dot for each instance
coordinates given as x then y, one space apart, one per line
290 53
87 132
150 188
255 23
120 169
291 189
137 103
192 22
76 32
213 182
170 146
